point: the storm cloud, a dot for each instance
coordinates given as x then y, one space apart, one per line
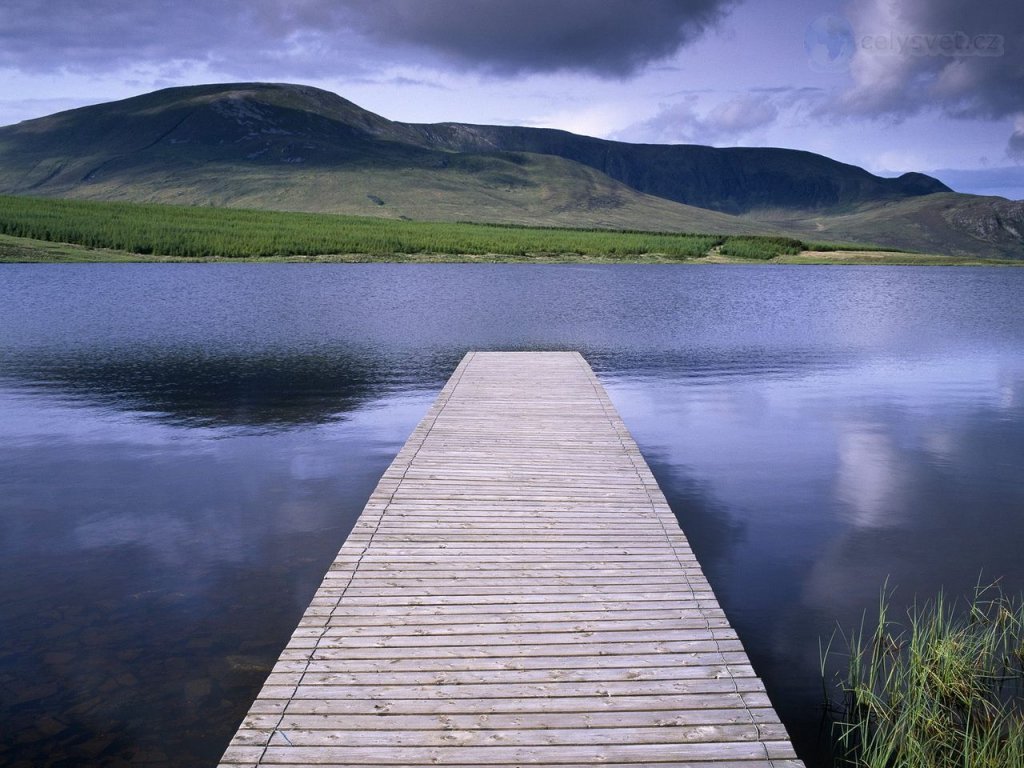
963 59
612 38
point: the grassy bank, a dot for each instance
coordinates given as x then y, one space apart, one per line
893 258
943 688
110 230
186 232
52 230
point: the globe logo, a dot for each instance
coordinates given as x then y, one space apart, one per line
829 43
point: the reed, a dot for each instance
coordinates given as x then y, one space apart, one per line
942 688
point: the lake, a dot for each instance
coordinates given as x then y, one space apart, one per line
185 447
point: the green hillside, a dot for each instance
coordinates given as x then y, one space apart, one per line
300 149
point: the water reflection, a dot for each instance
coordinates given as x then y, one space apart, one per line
204 389
867 479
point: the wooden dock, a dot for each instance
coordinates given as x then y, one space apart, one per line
517 592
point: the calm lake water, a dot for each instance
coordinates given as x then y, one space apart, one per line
185 447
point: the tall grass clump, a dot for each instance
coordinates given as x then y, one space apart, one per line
943 688
761 248
829 247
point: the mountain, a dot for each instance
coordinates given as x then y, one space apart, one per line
300 148
732 180
292 147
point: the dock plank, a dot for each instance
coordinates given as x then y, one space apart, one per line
516 592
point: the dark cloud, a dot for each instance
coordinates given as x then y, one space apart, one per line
609 37
325 37
964 59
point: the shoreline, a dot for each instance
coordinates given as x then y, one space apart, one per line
20 250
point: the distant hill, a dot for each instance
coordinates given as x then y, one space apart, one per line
730 180
948 223
290 147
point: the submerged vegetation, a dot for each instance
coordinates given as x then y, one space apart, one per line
942 689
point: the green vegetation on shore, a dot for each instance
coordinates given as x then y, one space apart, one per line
46 229
189 232
943 689
761 248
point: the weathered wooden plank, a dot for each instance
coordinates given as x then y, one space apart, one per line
564 664
463 677
642 754
520 721
459 612
516 650
554 682
657 734
516 592
606 689
550 706
339 638
539 600
355 629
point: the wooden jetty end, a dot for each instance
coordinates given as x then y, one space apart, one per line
516 592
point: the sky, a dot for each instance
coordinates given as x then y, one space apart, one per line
890 85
